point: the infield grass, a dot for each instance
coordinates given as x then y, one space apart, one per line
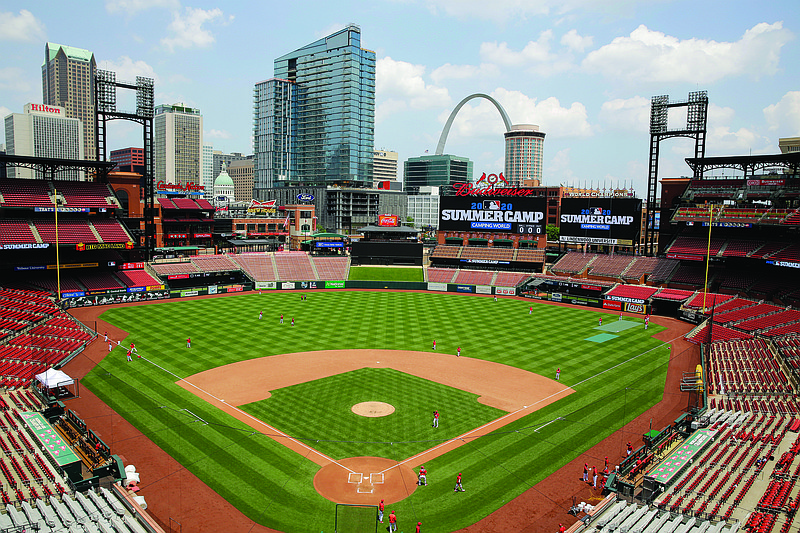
615 381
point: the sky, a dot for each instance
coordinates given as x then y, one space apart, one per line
584 71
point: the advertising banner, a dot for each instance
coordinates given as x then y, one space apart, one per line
266 285
686 257
234 288
188 293
212 289
497 214
483 289
463 288
506 291
133 294
26 246
287 285
601 220
614 305
322 244
635 308
334 284
437 286
137 289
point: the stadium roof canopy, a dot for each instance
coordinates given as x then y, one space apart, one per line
746 163
328 236
49 166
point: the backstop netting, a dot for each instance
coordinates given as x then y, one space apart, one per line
356 518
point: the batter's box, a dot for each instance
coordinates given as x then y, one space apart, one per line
365 489
355 477
376 478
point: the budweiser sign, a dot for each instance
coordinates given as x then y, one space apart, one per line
468 189
261 207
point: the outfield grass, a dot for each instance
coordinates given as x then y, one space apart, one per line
615 381
364 273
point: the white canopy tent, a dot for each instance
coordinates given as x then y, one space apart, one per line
53 378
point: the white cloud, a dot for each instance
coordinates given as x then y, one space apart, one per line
187 28
785 115
721 140
652 56
536 56
463 72
500 11
559 169
718 116
400 85
22 27
575 42
483 120
129 7
216 134
127 69
627 114
4 111
13 79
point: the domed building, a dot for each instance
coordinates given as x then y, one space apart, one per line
223 189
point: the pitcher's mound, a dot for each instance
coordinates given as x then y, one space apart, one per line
373 409
365 480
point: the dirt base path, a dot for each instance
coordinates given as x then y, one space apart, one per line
175 496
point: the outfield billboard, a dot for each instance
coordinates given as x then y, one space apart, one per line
601 220
496 214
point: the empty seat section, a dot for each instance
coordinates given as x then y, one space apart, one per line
331 268
168 269
70 231
213 263
445 251
441 275
294 266
610 265
111 230
100 281
25 193
258 265
474 277
510 279
573 263
639 267
16 232
137 278
83 193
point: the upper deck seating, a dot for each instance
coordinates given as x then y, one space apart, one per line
445 251
663 270
83 193
573 263
640 266
610 265
168 269
25 193
137 278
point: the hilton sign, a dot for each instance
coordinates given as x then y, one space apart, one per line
41 108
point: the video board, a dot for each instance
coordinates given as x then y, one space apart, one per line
615 221
498 214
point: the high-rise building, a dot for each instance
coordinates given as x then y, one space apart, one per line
177 144
442 171
330 87
44 131
220 158
789 144
241 172
524 153
272 134
207 171
68 82
384 166
424 207
128 159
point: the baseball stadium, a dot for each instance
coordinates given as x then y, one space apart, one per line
629 375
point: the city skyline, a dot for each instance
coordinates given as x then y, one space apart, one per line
583 72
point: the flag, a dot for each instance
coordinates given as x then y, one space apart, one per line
286 222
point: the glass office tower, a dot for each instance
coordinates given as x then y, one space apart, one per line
332 112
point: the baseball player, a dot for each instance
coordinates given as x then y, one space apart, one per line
586 472
293 321
419 525
260 315
458 486
188 342
435 419
281 318
380 512
458 351
434 344
105 336
392 522
133 348
594 476
558 373
530 310
630 448
129 356
620 315
646 321
600 321
109 346
495 297
423 476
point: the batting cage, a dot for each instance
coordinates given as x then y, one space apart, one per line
356 518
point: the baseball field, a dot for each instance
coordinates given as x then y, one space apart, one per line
264 413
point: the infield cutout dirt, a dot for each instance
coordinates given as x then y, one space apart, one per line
516 391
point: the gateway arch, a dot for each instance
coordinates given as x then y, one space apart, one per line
451 118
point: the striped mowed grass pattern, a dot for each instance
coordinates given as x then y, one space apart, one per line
273 485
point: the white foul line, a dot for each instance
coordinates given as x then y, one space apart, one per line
248 415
